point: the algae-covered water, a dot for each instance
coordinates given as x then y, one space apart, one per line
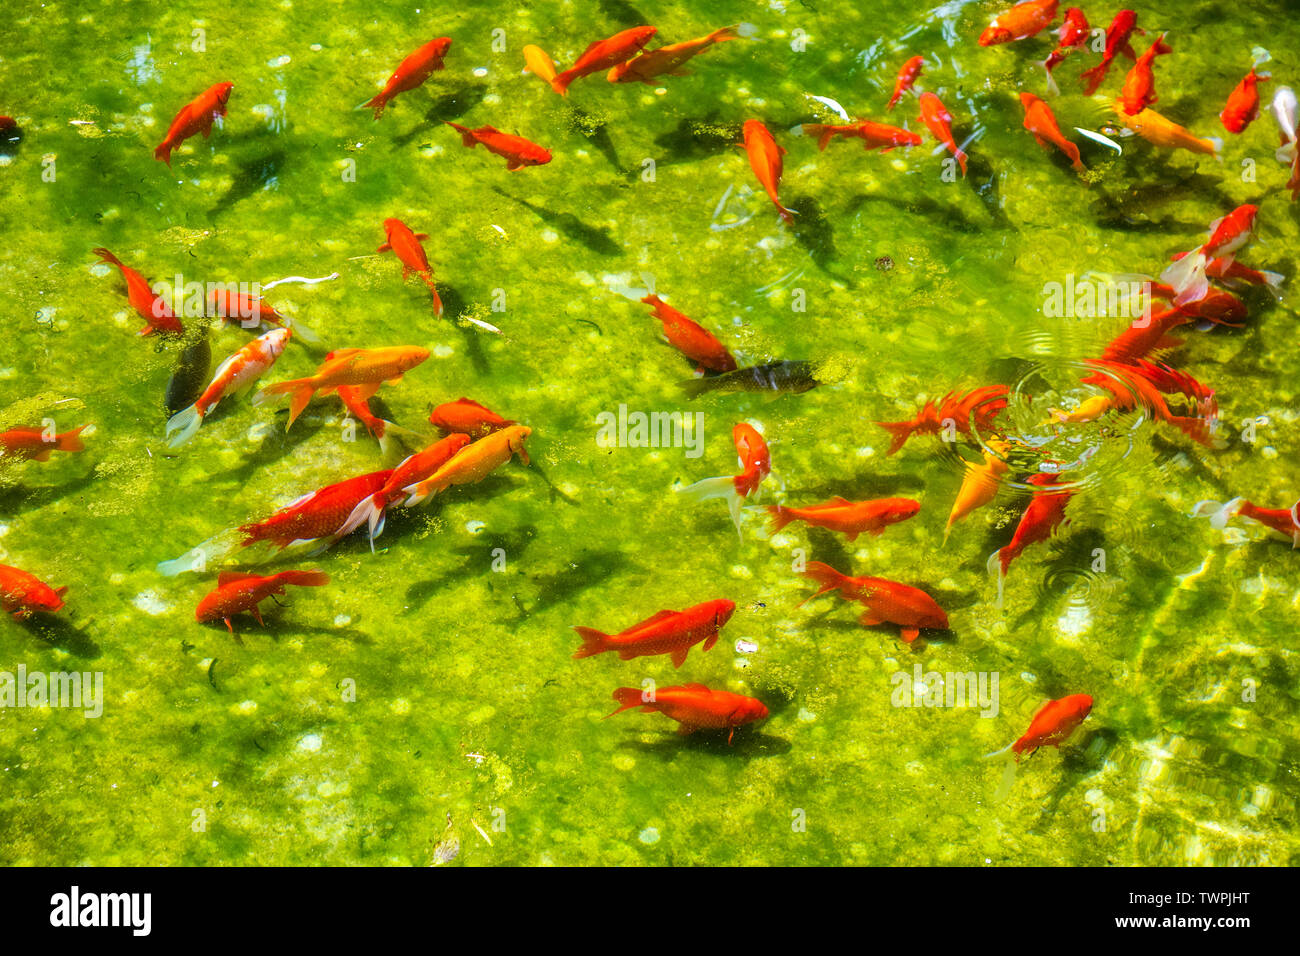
425 704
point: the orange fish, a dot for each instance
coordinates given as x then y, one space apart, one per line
1045 512
36 444
23 594
755 465
1140 383
667 59
690 338
1230 270
694 706
604 54
538 62
517 151
1051 725
1041 121
886 602
1139 90
1188 274
980 484
406 246
984 404
851 518
1285 521
1022 21
155 311
368 368
1074 33
359 408
938 121
765 160
412 72
194 117
467 417
473 463
1142 337
245 310
906 77
237 592
873 135
235 375
1164 132
316 515
668 632
1243 103
1117 41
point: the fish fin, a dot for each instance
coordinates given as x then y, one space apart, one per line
900 432
1127 50
868 619
780 518
230 577
996 566
257 613
1052 88
593 642
909 634
385 247
1187 277
71 441
314 578
185 424
678 656
629 697
685 730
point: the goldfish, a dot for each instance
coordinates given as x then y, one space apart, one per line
938 120
1074 33
538 62
983 404
1285 521
1141 338
1117 41
237 592
22 594
412 72
694 706
195 117
358 406
755 465
155 311
668 632
1243 103
368 368
979 486
1230 270
667 59
765 160
1045 513
1139 90
1022 21
1051 725
406 246
789 376
316 515
235 375
1164 132
468 417
1228 234
604 54
37 444
517 151
886 602
1041 121
1285 111
873 135
249 312
1138 382
850 518
690 338
473 463
907 76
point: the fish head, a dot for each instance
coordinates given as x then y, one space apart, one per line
222 91
722 611
994 34
750 709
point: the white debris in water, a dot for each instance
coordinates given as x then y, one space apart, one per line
343 620
480 71
474 527
1027 677
649 836
283 60
1075 621
316 48
247 706
150 603
740 663
746 646
807 716
443 351
309 743
550 235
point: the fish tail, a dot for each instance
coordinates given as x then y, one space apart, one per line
724 487
1093 78
560 83
433 290
301 331
819 130
1219 514
723 34
824 575
786 214
997 564
185 424
466 136
900 431
377 104
71 441
1273 280
1161 46
305 579
593 642
695 387
107 256
1008 778
164 152
1187 276
780 517
629 697
364 511
1216 144
1052 88
1284 154
300 391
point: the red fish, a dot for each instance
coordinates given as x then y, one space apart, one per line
317 515
765 160
1229 270
467 417
358 405
36 444
1041 121
366 368
1074 33
694 706
515 150
1285 521
194 117
1140 383
1022 21
984 404
246 310
235 375
886 602
603 55
1139 90
1051 725
668 632
873 135
667 59
690 338
938 121
908 75
1117 42
1188 274
23 594
1045 512
1140 339
155 311
412 72
406 246
237 592
1243 103
755 465
851 518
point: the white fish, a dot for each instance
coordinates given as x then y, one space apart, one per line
1098 138
831 105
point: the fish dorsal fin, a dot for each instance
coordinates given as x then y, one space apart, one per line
340 353
230 577
594 44
838 500
469 401
1041 707
660 616
1217 223
696 687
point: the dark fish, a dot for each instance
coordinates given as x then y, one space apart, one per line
775 376
191 374
10 135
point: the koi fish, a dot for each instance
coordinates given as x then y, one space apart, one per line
850 518
412 72
466 416
1045 512
979 486
1243 103
1285 111
1051 725
1217 306
1285 521
755 465
908 75
668 632
1139 90
515 150
1041 121
765 160
155 311
235 375
37 444
667 59
790 376
1117 41
873 135
367 368
694 706
237 592
195 117
984 404
886 602
23 594
1187 275
1022 21
938 121
538 62
1074 33
1164 132
406 246
690 338
315 515
473 463
604 54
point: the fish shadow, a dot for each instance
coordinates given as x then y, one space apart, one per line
694 140
814 232
270 448
451 105
58 632
453 304
597 239
250 177
622 14
20 498
596 132
939 213
590 569
744 746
